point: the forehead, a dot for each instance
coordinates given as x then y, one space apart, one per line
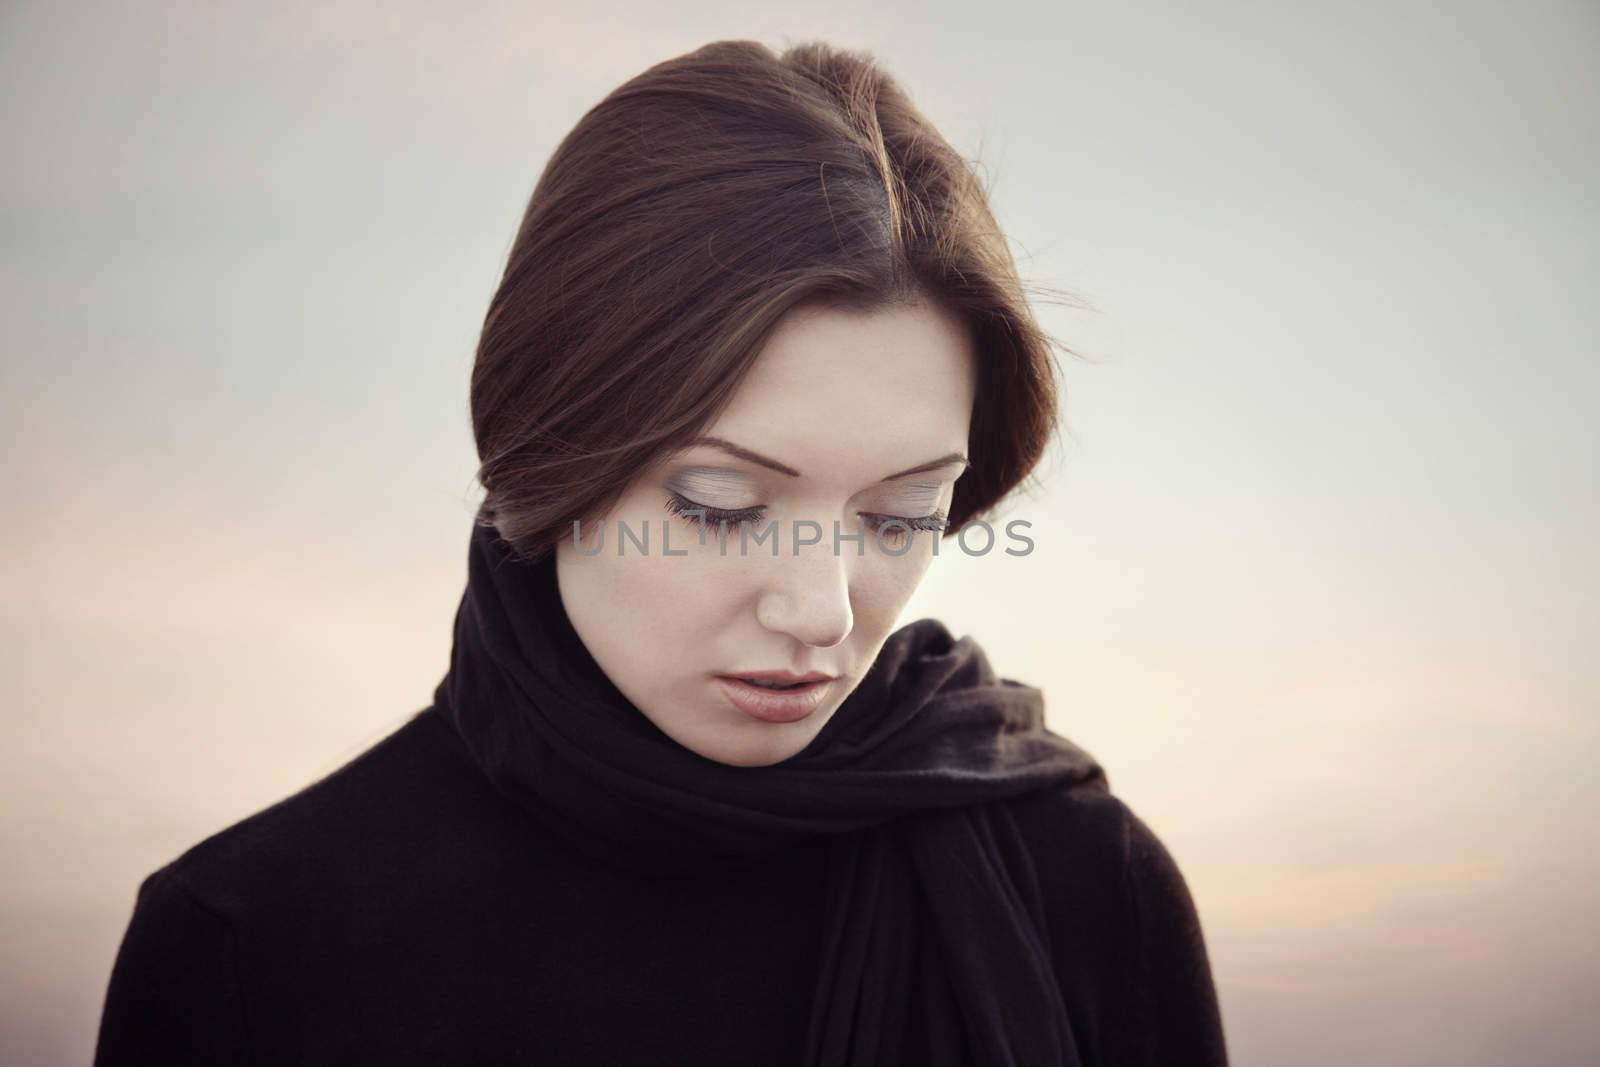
829 379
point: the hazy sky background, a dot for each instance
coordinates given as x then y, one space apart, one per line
1316 571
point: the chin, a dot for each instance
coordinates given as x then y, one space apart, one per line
763 749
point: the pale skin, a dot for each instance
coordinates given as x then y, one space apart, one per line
843 399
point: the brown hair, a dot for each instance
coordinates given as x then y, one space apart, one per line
673 227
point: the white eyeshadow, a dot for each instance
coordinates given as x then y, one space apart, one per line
915 498
711 486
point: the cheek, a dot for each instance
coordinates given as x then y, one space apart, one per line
678 608
648 621
882 588
659 596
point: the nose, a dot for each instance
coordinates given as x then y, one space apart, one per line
807 596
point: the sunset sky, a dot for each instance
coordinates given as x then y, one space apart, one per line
1316 571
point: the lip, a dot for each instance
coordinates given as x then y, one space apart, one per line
779 676
768 705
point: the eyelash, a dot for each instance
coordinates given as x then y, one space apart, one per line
681 505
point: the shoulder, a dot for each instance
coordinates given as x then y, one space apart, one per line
1084 843
1086 826
1081 818
1105 882
254 904
1122 925
375 815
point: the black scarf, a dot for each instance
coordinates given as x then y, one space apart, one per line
931 937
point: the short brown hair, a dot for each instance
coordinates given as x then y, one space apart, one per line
673 227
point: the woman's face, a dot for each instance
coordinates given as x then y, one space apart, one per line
837 404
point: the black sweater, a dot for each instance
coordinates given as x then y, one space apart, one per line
401 911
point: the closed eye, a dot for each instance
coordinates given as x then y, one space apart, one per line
702 515
936 521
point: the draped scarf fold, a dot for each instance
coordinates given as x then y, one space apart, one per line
932 941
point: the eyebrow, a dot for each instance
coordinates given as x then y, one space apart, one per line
783 468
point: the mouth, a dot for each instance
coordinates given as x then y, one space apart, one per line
775 696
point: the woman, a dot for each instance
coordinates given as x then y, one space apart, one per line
682 797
